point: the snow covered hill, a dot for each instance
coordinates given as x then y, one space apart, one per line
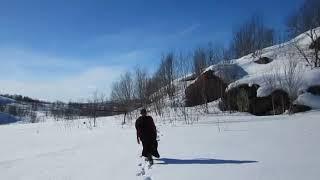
280 55
4 100
280 67
236 146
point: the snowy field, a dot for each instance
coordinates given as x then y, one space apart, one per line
239 147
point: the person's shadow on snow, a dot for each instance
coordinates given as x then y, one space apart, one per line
167 161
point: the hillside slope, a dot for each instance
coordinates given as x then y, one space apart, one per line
280 55
280 67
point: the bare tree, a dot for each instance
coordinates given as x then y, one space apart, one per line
57 110
199 61
123 94
227 55
305 18
270 79
243 101
161 84
291 79
251 36
140 85
93 106
183 69
168 67
215 53
122 90
310 54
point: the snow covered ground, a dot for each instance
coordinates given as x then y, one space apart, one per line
224 147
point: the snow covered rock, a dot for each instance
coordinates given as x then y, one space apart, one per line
210 85
227 72
207 87
309 99
244 99
296 108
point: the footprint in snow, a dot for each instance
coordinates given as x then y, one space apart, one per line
141 173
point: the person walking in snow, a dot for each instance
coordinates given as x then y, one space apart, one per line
147 134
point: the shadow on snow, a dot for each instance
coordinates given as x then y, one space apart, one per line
201 161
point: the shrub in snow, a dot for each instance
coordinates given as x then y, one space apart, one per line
243 101
230 99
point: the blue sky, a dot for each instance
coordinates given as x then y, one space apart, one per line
66 49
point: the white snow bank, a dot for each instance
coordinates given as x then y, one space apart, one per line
309 99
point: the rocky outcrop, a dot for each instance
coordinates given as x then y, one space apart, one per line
207 88
276 103
296 108
231 97
228 72
244 98
211 84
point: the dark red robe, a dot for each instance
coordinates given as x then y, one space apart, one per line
147 133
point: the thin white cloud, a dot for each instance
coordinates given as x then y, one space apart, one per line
47 77
77 87
19 57
189 30
145 39
19 74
